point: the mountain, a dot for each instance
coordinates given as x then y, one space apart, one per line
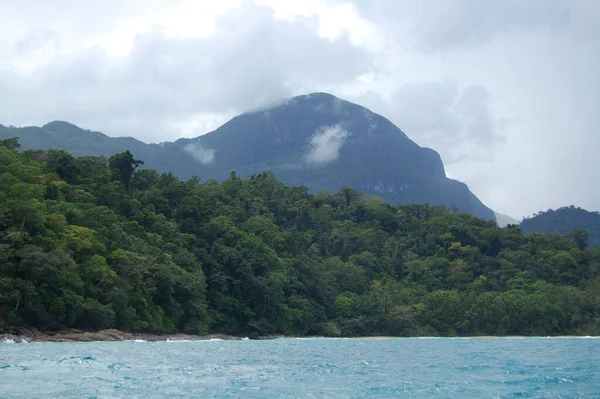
563 221
316 140
504 220
63 135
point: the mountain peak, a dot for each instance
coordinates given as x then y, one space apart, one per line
324 102
62 126
315 99
324 142
318 96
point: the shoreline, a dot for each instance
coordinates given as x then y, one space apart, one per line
26 335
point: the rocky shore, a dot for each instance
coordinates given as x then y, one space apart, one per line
27 334
30 334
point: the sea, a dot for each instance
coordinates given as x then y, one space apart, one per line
305 368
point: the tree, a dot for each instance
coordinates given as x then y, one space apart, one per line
62 163
11 143
123 167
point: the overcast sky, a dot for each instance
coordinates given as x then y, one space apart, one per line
507 91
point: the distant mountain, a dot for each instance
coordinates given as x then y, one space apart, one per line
316 140
563 221
63 135
504 220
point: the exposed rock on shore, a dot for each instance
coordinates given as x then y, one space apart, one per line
23 334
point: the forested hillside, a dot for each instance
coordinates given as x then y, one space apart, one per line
92 243
563 221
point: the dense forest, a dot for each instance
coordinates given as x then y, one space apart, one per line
563 221
95 243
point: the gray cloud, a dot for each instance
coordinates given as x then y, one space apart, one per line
441 24
326 144
251 60
439 114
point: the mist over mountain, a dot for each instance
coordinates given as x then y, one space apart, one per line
316 140
504 220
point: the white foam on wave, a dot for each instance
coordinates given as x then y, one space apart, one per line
185 340
139 340
194 340
8 341
245 339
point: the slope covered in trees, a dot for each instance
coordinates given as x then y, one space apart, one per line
563 221
94 243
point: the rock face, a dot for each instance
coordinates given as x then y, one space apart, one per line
316 140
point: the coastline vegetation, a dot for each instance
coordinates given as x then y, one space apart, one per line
95 243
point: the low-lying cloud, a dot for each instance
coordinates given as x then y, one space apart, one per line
326 144
203 155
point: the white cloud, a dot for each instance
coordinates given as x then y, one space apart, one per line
334 20
203 155
326 144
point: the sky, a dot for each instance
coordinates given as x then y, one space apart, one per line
508 92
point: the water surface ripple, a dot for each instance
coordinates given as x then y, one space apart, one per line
304 368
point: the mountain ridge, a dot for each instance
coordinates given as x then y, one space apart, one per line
316 140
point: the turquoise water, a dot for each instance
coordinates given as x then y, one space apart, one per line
304 368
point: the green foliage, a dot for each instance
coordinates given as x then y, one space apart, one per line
93 244
582 226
